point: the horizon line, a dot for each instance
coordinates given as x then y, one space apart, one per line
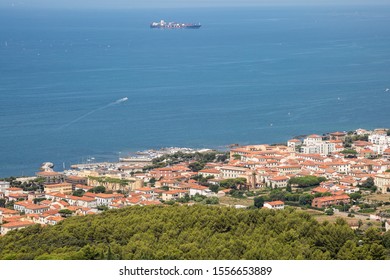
233 5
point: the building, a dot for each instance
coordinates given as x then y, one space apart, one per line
382 181
289 169
209 172
294 143
379 139
7 213
30 208
164 172
278 181
76 180
201 190
17 196
4 185
83 201
104 199
50 177
65 188
321 202
145 190
230 172
114 183
312 140
53 220
15 226
13 190
337 136
386 154
174 194
277 205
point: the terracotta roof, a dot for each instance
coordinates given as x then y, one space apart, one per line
279 178
76 177
86 198
57 218
144 189
175 191
215 171
320 190
275 203
18 224
106 195
198 187
294 140
8 211
18 195
153 202
79 186
36 207
338 133
314 136
48 173
58 185
14 189
332 198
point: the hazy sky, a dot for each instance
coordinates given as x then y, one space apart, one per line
173 3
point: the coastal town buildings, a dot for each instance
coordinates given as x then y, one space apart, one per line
256 167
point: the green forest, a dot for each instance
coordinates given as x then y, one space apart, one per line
195 232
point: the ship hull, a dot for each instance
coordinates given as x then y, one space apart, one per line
174 25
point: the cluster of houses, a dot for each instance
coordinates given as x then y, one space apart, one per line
47 207
128 184
378 143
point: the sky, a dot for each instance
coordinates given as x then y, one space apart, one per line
128 4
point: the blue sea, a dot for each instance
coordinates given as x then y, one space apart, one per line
248 75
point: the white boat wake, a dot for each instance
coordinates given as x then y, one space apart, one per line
124 99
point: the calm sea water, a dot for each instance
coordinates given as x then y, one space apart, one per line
247 76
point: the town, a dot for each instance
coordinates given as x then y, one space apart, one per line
343 174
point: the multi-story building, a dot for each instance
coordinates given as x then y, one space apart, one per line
104 199
229 172
312 140
382 181
174 194
65 188
30 208
209 172
51 177
4 185
337 135
278 181
379 139
321 202
294 143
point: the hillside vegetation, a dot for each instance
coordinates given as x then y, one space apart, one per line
194 232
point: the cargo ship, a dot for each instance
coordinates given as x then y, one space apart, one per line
174 25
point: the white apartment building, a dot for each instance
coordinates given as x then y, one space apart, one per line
4 185
379 139
229 172
319 147
312 140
